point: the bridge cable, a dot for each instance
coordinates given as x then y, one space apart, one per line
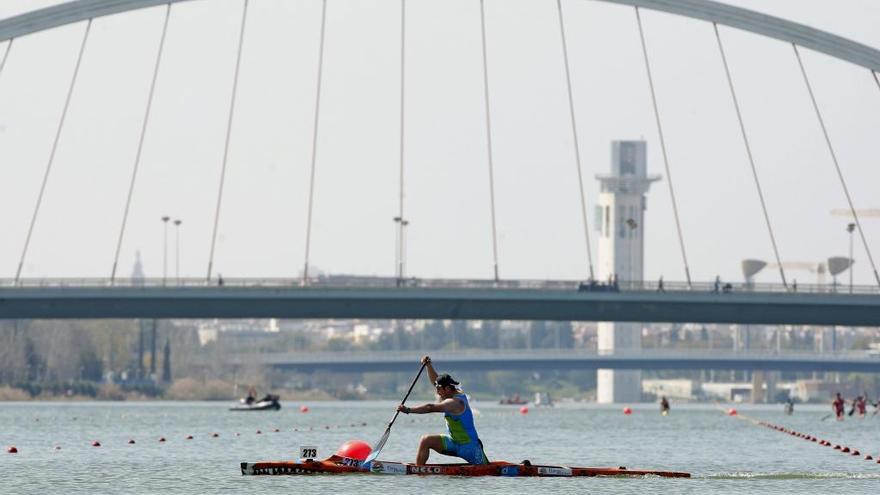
751 157
6 55
140 147
402 219
577 151
228 135
687 270
489 139
51 161
835 161
305 277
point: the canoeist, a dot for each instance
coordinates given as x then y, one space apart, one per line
664 406
861 405
462 439
839 405
789 407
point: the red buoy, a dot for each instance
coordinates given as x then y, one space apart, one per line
189 437
96 443
731 412
856 452
355 449
276 430
868 457
215 435
131 441
524 410
845 449
161 439
304 409
627 410
259 432
12 450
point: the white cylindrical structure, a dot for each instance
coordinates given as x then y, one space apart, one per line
621 222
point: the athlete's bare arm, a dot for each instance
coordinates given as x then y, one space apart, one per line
452 406
432 374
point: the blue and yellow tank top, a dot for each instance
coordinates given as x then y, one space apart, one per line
461 427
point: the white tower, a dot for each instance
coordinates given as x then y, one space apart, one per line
621 223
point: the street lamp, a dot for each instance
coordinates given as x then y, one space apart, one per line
400 248
177 249
165 249
632 224
851 227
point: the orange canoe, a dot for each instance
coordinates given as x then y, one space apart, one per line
341 465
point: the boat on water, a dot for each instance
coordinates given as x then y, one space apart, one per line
513 400
336 464
268 403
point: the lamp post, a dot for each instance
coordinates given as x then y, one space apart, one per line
177 249
400 248
851 227
165 250
632 224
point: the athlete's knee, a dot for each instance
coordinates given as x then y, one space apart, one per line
431 441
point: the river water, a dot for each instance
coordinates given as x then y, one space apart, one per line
724 454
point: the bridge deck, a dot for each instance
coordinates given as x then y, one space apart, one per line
439 303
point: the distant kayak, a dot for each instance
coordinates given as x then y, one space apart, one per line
268 403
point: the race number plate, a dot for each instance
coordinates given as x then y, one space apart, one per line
308 452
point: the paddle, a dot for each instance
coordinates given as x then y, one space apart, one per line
381 443
826 416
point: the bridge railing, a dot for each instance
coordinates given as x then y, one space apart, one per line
367 282
544 354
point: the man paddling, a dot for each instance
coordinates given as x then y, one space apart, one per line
462 439
838 405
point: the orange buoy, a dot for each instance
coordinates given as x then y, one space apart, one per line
524 410
731 412
303 409
12 449
355 449
627 410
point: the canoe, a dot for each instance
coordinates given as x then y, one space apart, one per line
343 465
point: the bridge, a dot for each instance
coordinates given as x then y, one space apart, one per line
306 296
540 360
384 298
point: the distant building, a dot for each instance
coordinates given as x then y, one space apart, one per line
621 225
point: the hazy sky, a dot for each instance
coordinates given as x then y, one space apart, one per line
262 227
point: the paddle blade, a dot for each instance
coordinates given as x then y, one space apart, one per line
379 446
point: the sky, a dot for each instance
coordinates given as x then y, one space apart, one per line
262 226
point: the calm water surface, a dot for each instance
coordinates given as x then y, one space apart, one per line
725 455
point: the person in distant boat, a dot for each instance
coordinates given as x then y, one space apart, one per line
861 405
251 396
664 405
461 439
838 405
789 407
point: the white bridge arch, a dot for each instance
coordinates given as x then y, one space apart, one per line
706 10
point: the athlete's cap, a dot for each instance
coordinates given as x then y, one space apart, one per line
445 380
